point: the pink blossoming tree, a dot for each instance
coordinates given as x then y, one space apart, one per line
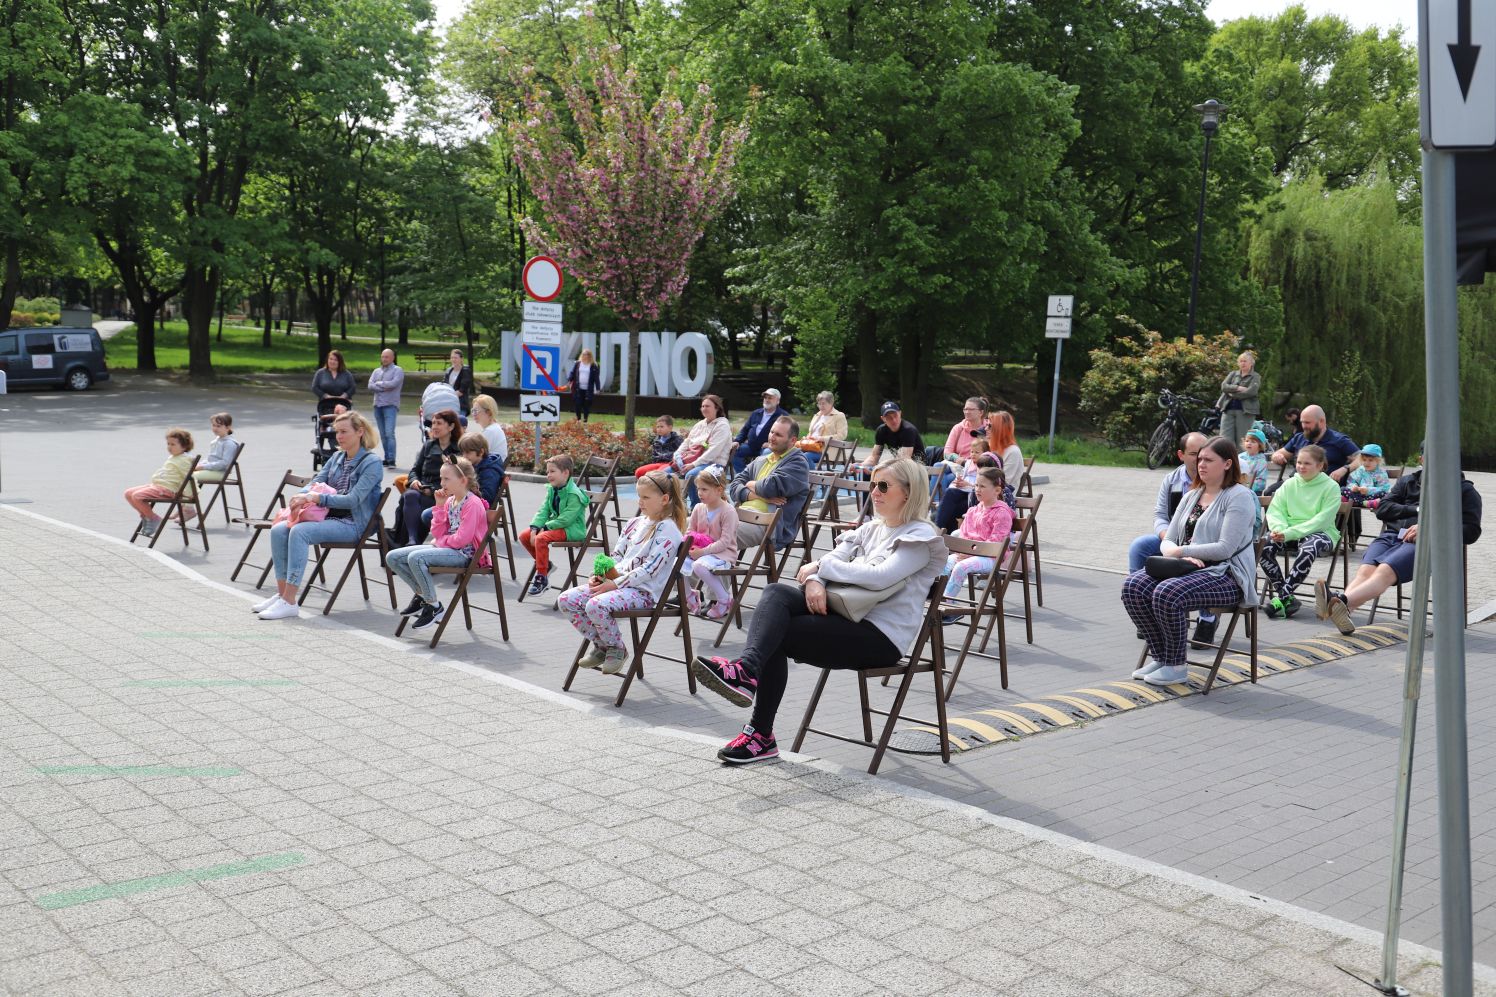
624 191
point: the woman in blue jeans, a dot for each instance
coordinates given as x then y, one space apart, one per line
355 473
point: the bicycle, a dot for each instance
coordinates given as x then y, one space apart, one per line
1166 437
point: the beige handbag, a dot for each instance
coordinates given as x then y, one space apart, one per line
854 602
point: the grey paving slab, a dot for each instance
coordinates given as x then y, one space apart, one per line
1281 789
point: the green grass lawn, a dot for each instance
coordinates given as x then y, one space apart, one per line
241 352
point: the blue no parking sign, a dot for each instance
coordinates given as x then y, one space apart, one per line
539 368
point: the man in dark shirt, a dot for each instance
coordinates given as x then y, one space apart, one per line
895 434
755 432
1339 448
1388 559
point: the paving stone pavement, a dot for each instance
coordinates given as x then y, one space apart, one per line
1282 789
453 834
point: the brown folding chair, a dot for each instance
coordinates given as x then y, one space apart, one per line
465 575
837 456
1025 486
373 539
185 495
1247 609
511 525
597 474
917 663
833 523
760 564
1028 508
820 482
232 477
289 480
991 605
672 603
936 473
506 526
576 550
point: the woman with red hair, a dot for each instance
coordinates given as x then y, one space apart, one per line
1003 441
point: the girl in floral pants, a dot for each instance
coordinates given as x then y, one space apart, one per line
645 553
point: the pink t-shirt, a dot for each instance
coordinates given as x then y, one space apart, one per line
960 441
989 524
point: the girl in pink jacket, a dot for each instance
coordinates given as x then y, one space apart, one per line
458 523
990 521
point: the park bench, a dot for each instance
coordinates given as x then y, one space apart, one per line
425 359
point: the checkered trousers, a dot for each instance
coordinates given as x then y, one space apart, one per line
1161 609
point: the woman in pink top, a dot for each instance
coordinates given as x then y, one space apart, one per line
969 436
990 521
458 522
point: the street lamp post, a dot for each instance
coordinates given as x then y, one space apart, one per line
1210 122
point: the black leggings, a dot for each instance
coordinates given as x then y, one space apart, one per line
583 405
783 627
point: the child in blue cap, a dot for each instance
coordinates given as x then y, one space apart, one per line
1368 484
1253 458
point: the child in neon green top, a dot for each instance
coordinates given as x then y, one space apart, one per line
562 516
1303 512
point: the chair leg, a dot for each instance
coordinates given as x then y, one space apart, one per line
509 551
810 709
684 629
867 710
343 580
1002 647
1028 608
636 660
306 588
1252 635
893 718
937 661
1038 571
1142 657
572 672
1215 666
524 589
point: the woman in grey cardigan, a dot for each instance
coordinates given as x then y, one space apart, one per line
1238 402
899 544
1213 528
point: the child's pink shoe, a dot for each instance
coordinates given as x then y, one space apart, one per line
719 611
693 602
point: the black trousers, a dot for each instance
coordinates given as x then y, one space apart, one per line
582 402
783 627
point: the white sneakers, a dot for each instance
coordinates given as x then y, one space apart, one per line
1148 667
265 604
280 609
1168 675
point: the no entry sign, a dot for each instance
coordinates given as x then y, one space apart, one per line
542 278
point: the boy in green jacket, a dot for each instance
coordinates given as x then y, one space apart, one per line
1303 512
562 516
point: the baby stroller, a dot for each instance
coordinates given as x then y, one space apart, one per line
324 439
437 397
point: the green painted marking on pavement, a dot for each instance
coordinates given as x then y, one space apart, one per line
110 891
206 771
206 635
178 683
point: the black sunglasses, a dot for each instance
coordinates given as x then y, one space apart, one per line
881 486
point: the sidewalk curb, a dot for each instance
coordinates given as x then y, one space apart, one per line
1224 891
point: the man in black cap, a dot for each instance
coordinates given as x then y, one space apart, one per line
895 434
1388 559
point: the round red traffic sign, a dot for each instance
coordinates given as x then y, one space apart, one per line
542 278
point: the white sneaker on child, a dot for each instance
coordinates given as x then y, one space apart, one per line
614 661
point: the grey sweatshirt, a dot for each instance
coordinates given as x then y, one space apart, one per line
875 556
1225 530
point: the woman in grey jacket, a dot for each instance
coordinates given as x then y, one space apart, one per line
1213 528
899 544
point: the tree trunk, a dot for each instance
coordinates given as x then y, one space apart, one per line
267 289
10 288
467 330
733 353
916 355
868 361
343 317
145 332
200 292
290 305
220 315
402 325
631 398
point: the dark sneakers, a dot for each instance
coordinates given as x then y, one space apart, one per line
1205 634
728 679
429 615
539 585
413 607
748 747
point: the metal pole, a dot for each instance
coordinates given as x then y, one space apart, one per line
1412 688
1189 329
539 467
1439 526
1054 400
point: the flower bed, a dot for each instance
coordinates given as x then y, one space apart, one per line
577 439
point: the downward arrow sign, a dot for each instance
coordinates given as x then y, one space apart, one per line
1463 54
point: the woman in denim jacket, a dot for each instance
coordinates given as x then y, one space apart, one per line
355 472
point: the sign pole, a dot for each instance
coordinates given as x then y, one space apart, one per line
1453 114
1054 399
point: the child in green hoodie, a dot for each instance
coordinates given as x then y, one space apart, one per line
1303 512
562 516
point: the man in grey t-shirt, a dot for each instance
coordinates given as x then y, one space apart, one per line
385 382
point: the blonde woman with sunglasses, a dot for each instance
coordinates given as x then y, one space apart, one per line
898 544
